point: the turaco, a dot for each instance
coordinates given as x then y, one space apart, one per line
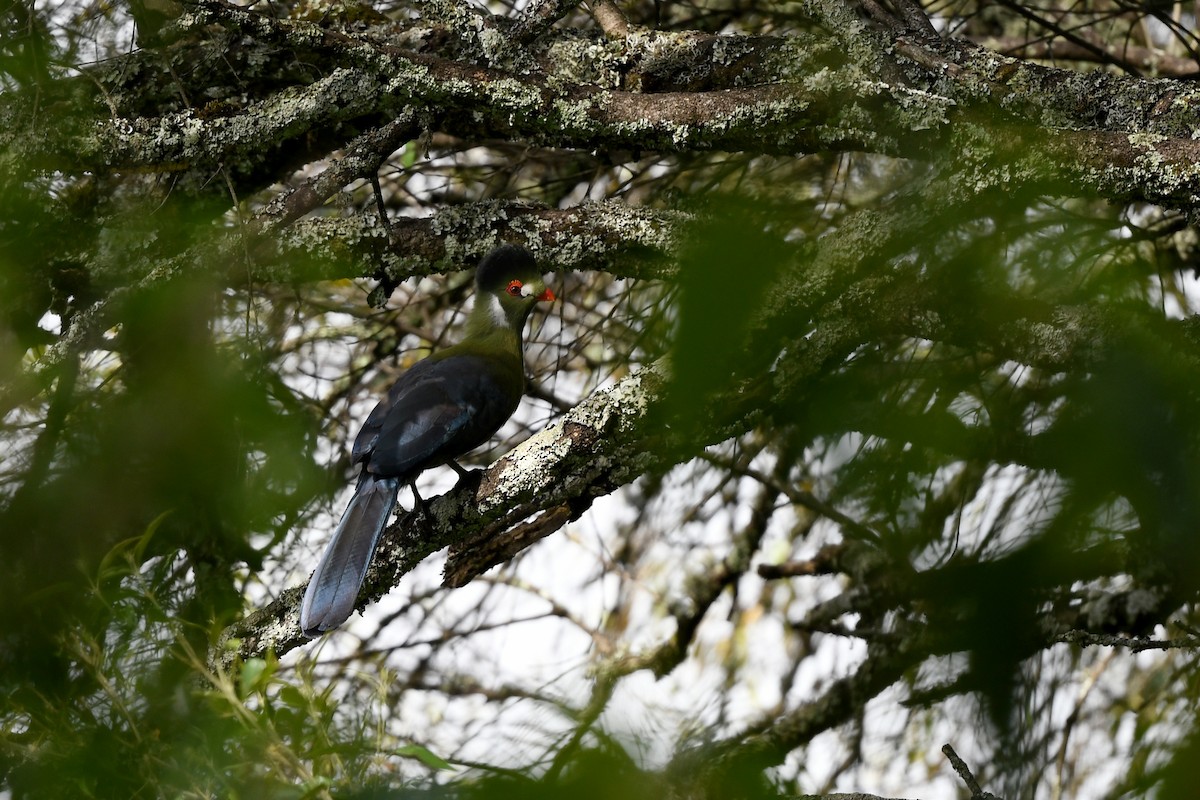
445 406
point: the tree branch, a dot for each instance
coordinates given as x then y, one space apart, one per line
609 17
964 772
1140 147
768 742
624 241
595 448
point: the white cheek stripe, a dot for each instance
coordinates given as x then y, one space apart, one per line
495 310
526 290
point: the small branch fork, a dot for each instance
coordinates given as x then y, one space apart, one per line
907 18
361 159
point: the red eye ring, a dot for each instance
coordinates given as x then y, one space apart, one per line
514 288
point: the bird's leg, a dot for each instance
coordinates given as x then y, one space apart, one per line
379 204
418 504
463 474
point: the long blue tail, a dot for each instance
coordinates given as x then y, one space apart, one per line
334 586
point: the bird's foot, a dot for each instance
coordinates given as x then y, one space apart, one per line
457 467
466 477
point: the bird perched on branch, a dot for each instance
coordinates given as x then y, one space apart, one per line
446 405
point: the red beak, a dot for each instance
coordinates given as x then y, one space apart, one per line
546 295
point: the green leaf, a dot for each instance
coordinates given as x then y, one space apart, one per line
423 755
291 696
255 674
408 155
729 263
128 551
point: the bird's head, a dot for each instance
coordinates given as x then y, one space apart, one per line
508 284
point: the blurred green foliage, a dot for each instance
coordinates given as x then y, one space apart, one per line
126 541
140 480
732 258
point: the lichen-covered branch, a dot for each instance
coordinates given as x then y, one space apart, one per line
911 97
595 448
611 236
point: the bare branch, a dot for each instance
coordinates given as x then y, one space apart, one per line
964 772
610 17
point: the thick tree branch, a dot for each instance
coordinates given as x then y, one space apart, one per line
539 17
611 236
479 103
932 101
597 447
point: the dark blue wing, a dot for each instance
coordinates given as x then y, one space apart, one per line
437 411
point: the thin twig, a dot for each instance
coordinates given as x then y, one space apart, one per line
1134 644
964 772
